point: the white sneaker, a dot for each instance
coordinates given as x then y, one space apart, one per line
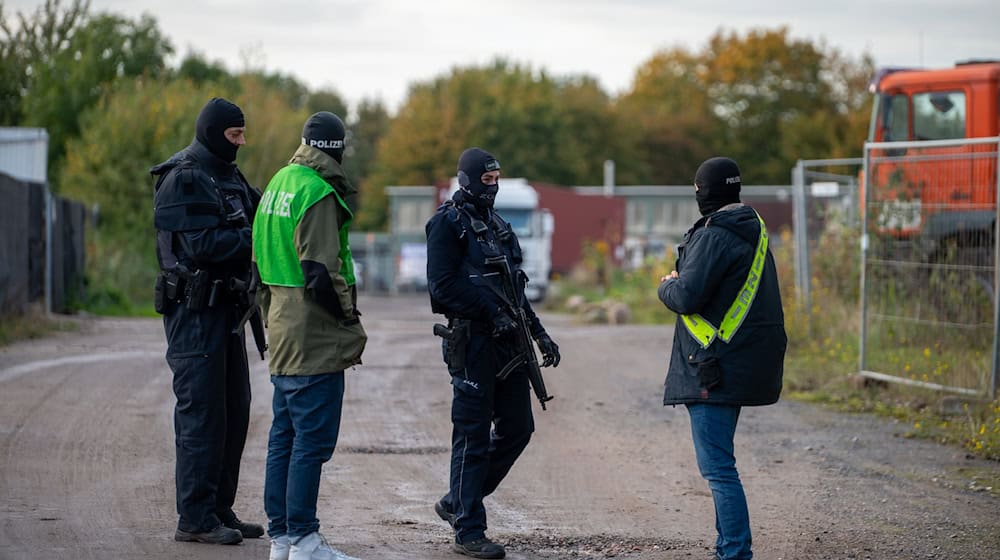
279 548
314 547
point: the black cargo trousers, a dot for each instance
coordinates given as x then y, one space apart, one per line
212 415
491 425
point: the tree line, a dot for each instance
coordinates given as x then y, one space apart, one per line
101 85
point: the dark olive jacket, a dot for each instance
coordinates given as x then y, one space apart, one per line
310 331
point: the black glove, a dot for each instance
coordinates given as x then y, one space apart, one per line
503 325
550 350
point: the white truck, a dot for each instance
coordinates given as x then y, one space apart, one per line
517 202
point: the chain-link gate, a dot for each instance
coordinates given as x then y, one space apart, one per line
929 305
825 216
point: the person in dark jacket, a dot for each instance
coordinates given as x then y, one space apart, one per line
729 341
463 233
203 207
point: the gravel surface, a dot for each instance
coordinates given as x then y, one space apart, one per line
86 459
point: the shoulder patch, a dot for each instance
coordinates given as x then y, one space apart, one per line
187 180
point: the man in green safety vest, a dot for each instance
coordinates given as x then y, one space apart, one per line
729 341
300 248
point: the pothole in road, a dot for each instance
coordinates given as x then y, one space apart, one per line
393 450
597 546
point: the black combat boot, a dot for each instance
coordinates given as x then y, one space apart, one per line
219 535
480 548
248 530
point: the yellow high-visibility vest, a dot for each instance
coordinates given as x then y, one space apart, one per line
706 333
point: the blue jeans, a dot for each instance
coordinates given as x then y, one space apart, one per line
303 435
712 428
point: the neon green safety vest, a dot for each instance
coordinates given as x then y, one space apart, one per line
706 333
292 191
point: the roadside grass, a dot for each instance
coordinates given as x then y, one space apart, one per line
823 354
31 325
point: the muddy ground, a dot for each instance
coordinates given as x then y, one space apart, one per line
86 459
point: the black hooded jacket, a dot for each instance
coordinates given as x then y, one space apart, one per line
713 263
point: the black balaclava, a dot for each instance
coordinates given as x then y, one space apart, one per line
719 183
472 164
216 116
325 131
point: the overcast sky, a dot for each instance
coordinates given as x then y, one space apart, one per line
377 48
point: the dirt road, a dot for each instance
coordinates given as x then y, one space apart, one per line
86 459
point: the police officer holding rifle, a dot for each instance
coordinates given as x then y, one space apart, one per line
475 280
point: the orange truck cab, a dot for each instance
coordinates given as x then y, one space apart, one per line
934 192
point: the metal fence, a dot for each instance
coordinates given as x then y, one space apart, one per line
929 282
374 260
825 205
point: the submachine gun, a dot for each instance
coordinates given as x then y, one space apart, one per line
247 292
511 299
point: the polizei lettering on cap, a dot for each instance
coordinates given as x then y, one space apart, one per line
327 144
731 180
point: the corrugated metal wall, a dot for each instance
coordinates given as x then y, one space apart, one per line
22 247
15 279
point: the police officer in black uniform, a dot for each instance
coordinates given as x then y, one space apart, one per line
463 233
203 207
